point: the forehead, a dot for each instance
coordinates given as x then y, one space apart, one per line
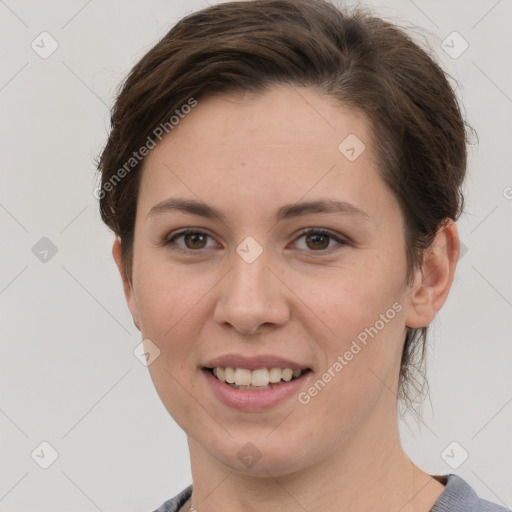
279 145
282 115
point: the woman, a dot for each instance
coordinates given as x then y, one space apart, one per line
283 179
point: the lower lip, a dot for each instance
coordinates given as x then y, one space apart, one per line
245 400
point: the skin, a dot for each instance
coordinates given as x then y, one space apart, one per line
248 155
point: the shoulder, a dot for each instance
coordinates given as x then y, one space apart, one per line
459 496
174 504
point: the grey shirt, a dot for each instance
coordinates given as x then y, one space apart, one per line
458 496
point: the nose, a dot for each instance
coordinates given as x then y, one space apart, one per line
252 297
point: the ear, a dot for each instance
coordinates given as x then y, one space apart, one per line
127 285
434 279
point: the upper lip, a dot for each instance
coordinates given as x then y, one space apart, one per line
253 362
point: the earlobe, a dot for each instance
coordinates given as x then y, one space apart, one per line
433 280
127 285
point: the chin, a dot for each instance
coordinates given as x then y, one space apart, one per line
261 458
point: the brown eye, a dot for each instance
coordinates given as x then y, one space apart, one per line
318 240
193 240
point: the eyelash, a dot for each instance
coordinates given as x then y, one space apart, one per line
322 231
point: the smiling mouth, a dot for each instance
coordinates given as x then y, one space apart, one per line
256 380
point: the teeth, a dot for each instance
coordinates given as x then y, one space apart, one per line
275 374
229 375
220 373
243 377
287 374
259 378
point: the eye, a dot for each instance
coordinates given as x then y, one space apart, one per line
319 240
192 238
316 240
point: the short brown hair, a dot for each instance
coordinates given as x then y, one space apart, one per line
360 60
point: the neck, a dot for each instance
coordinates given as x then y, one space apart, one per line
371 473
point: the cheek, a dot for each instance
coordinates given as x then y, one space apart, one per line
361 365
359 325
171 307
169 296
352 296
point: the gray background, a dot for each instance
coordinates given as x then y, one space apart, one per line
68 375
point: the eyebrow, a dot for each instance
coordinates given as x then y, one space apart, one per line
288 211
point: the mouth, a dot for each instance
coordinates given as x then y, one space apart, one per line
259 379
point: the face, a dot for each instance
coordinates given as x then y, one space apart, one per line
304 262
